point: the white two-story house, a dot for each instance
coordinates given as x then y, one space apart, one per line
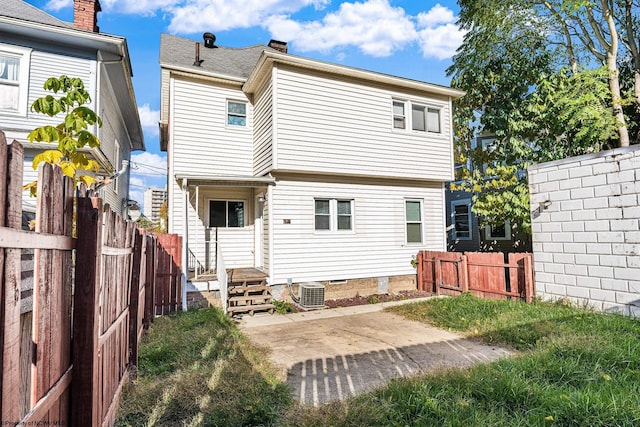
35 46
305 170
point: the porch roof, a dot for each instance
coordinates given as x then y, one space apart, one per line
225 180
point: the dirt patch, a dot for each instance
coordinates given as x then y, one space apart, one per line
374 299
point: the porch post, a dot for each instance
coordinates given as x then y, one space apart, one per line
185 244
197 213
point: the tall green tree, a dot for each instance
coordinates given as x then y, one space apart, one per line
543 77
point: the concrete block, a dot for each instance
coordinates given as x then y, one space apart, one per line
601 248
632 163
573 226
552 247
537 177
596 225
589 282
569 184
599 271
623 201
593 181
609 213
633 262
626 273
541 237
613 260
585 237
538 266
630 187
562 216
632 236
580 171
542 257
563 237
627 298
536 227
610 237
619 177
552 227
536 247
554 289
574 248
634 286
576 270
558 175
565 279
615 285
634 311
602 295
548 186
577 292
558 196
624 224
561 258
626 249
582 193
605 168
615 308
587 259
572 205
631 212
545 278
596 203
583 215
607 190
552 267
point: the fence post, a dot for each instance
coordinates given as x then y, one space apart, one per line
419 261
11 215
437 266
463 273
149 282
85 385
134 297
528 278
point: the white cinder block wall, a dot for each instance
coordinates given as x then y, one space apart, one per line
586 229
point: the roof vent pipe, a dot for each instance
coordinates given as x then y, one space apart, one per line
209 40
198 61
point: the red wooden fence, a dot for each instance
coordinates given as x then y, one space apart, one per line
46 379
484 274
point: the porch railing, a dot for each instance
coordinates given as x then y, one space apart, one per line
205 260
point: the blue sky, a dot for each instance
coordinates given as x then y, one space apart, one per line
406 38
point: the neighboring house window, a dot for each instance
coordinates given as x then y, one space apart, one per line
422 118
333 214
498 232
14 78
226 214
461 215
413 218
236 113
399 118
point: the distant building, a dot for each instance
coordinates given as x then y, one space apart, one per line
153 200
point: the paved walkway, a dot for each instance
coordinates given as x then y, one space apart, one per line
332 354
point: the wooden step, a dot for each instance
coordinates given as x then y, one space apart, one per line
251 309
247 289
249 300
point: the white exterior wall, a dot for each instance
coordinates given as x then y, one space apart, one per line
586 243
263 130
202 143
376 246
327 125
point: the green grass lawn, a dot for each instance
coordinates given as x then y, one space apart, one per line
575 368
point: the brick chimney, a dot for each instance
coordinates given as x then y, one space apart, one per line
278 45
85 15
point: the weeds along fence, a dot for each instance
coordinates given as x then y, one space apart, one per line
486 275
69 344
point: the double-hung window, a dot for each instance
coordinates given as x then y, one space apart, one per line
399 119
413 219
14 77
422 118
461 218
236 113
226 213
333 214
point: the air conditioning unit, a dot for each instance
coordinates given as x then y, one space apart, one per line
312 295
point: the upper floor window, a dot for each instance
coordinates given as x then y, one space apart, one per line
461 218
226 214
14 77
422 118
333 214
413 218
236 113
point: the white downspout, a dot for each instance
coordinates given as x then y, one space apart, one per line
185 244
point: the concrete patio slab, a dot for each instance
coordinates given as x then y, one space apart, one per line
333 354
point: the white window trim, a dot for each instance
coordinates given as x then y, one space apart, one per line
333 215
408 116
507 232
227 113
394 115
208 207
405 222
461 202
23 81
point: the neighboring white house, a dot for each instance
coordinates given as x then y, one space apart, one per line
35 46
305 170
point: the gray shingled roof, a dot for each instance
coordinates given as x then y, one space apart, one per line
21 10
236 62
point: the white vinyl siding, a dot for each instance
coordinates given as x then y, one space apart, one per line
263 131
327 125
375 247
203 144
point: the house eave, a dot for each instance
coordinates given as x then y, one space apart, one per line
224 180
202 74
268 58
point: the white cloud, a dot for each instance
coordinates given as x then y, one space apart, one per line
374 26
149 119
58 4
148 164
439 36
